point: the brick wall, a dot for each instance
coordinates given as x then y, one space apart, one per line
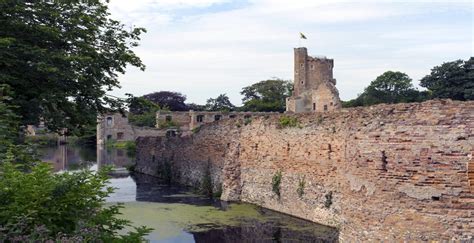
386 172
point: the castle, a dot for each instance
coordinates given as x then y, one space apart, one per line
314 91
314 85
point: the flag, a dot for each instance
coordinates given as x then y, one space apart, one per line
302 36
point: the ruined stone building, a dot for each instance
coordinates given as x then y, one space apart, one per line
184 122
314 85
115 127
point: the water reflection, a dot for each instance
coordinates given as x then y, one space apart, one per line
174 208
71 157
179 215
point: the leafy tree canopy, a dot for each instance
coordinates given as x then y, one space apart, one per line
172 101
60 58
221 103
196 107
390 87
454 80
267 95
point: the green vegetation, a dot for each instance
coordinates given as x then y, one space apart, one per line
143 120
142 112
247 121
220 103
301 186
42 206
320 119
454 80
288 121
390 87
43 140
60 59
129 146
328 201
267 95
196 129
276 181
167 124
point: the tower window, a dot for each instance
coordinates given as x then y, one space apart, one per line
325 107
109 121
119 135
168 118
217 117
314 106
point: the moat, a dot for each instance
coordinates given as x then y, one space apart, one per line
177 214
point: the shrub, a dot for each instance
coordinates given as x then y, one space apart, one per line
44 206
276 181
301 186
288 121
247 121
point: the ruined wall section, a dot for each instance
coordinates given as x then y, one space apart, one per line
386 172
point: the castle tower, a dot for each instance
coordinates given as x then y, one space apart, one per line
314 85
300 70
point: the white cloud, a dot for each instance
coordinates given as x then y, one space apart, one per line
220 51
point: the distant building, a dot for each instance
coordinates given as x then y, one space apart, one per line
183 122
115 127
314 85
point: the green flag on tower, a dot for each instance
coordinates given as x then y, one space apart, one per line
302 36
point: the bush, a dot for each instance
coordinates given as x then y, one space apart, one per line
247 121
276 181
44 206
301 186
288 121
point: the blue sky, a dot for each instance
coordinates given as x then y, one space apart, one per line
203 48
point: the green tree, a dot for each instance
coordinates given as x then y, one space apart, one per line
390 87
142 112
60 58
221 103
267 95
454 80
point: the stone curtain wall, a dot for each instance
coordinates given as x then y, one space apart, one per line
395 172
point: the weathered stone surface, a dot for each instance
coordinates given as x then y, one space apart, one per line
386 172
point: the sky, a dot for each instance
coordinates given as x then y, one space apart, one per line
203 48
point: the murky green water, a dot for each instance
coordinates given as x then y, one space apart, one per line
178 215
